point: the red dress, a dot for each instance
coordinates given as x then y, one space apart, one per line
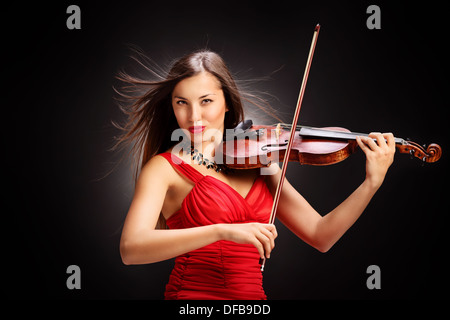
223 269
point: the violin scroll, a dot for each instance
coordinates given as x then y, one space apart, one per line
429 154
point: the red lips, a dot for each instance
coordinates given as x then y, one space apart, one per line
196 129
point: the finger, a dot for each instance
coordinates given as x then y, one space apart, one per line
381 142
367 144
271 227
361 144
371 143
390 140
274 231
259 246
271 238
265 242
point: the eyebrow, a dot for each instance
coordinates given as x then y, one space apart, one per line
204 96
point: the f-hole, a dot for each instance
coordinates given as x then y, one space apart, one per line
264 148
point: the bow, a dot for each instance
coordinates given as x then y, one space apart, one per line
292 132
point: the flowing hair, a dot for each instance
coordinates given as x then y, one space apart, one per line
148 105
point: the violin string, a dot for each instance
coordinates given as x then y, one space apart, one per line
326 133
299 127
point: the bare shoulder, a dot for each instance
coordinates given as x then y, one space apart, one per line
157 170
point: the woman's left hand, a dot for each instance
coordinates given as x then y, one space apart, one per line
379 155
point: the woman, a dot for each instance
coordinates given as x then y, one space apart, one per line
217 219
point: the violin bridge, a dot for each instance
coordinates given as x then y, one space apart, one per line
278 130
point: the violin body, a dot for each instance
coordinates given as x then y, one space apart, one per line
258 146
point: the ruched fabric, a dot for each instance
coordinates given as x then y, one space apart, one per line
223 269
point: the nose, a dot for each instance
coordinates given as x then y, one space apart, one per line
196 113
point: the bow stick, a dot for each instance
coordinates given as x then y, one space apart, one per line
292 132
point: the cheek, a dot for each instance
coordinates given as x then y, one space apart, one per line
217 113
179 115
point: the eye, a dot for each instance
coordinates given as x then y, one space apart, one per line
181 102
205 101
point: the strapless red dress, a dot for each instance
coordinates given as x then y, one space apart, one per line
223 269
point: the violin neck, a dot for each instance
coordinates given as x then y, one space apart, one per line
313 132
430 153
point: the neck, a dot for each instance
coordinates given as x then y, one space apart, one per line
330 133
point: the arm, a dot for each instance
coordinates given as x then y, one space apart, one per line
323 232
141 243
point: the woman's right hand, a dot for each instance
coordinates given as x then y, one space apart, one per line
261 235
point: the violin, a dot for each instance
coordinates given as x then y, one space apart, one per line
251 146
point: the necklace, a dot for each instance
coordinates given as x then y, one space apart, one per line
198 157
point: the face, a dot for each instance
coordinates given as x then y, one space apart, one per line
199 106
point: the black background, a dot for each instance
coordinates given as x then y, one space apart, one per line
67 196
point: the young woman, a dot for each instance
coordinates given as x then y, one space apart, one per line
214 221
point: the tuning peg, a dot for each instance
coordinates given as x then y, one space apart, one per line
424 159
411 153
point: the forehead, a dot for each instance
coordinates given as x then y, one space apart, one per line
197 85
